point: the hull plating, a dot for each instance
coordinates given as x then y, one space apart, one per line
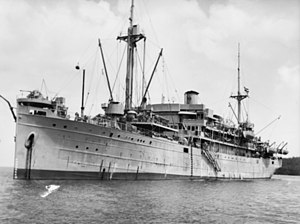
65 149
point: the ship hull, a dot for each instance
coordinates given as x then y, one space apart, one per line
54 148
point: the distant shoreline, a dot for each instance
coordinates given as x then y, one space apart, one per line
290 166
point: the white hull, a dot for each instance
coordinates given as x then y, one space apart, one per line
65 149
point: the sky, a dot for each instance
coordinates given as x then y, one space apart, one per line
42 41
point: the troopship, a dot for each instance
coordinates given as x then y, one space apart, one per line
145 142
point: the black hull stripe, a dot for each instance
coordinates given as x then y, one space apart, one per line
79 175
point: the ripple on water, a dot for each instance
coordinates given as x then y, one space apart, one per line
259 201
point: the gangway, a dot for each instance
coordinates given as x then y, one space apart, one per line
211 159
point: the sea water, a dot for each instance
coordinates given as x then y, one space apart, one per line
172 201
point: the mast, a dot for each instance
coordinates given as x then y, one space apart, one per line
132 37
77 67
82 94
239 97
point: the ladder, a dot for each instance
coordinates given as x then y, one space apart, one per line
211 159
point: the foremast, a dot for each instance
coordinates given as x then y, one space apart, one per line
132 37
239 97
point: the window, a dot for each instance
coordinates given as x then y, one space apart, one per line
111 134
38 112
65 126
186 150
53 125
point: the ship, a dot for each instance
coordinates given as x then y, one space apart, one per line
145 142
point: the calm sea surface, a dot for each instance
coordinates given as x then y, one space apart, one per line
258 201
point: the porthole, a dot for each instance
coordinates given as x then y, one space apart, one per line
111 134
87 148
54 125
76 146
65 126
118 136
150 142
96 150
131 139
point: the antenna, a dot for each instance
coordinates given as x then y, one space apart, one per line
277 118
108 83
144 96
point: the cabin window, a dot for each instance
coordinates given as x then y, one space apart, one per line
76 146
189 127
53 125
65 126
111 134
186 150
37 112
193 128
150 142
96 150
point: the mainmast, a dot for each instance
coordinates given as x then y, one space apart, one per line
239 97
132 37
